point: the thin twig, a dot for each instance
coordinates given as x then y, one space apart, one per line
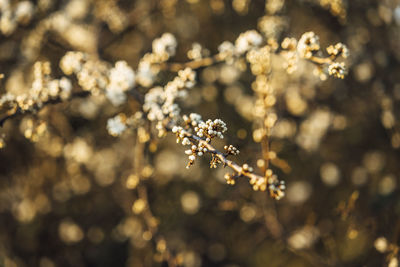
323 60
195 64
16 111
221 156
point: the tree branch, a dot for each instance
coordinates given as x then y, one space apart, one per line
14 112
274 186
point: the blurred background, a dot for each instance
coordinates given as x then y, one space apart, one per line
72 195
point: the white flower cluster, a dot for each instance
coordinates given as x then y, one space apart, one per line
231 150
42 90
62 88
337 70
277 188
195 149
180 135
208 129
10 16
338 49
290 54
97 77
121 79
308 43
270 182
211 129
227 51
272 26
245 42
92 74
163 48
260 60
248 40
117 125
145 73
153 102
194 119
166 44
195 52
204 130
193 152
72 62
159 102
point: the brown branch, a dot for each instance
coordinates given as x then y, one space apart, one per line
195 64
281 164
136 16
265 151
275 191
16 111
221 156
323 60
150 220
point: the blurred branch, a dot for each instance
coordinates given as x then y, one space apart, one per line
14 112
136 95
195 64
313 258
136 16
322 60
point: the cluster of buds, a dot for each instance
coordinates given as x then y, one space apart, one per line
208 129
227 52
338 49
196 149
268 182
163 48
211 129
13 15
215 161
119 123
159 102
193 152
308 45
33 129
290 54
246 168
97 77
43 90
337 70
197 52
230 178
180 135
121 79
198 134
193 120
275 186
259 60
231 150
247 40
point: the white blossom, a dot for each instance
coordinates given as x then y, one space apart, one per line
247 41
122 78
116 126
